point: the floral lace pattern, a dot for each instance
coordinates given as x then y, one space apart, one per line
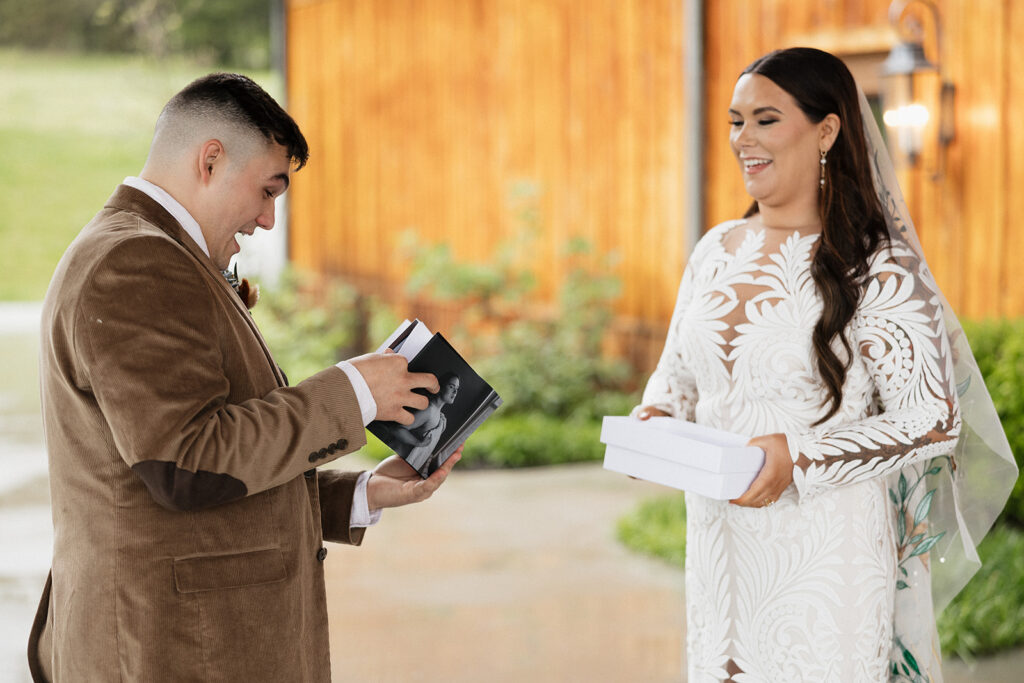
830 583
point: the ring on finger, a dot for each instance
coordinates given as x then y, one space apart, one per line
768 503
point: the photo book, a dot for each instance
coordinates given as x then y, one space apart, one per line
464 401
683 455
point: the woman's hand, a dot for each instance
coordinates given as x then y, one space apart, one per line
775 475
647 412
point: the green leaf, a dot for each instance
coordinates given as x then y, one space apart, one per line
903 487
901 527
911 661
901 584
927 544
923 507
892 495
916 538
934 470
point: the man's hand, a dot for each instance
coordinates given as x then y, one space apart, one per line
395 483
391 384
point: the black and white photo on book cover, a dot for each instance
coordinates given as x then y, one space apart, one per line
461 405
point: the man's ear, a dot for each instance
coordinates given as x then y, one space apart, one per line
211 159
828 131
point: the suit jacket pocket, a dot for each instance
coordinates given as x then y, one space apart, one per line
198 573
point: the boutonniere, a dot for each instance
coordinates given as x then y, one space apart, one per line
249 293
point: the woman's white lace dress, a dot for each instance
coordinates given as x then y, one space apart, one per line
832 582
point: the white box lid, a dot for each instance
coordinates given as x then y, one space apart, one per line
684 443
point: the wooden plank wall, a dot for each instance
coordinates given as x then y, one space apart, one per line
966 218
427 115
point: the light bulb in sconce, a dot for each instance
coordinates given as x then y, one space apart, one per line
906 116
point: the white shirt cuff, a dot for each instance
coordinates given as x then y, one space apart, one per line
361 515
367 405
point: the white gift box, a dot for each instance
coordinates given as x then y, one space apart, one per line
681 454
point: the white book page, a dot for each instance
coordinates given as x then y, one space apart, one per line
412 344
393 336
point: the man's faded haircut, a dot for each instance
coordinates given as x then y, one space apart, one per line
239 100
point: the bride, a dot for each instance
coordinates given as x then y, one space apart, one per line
814 325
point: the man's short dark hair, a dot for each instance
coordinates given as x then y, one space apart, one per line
239 99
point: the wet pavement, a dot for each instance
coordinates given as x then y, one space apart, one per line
507 576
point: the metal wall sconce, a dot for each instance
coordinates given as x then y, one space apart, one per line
904 114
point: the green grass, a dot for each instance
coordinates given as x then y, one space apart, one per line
986 617
71 128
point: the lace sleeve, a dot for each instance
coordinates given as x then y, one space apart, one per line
672 387
900 336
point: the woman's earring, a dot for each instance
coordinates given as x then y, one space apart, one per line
821 181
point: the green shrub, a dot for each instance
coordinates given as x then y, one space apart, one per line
550 364
531 439
523 440
556 365
657 527
988 615
548 367
998 346
311 322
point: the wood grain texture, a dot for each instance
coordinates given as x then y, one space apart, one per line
967 215
431 116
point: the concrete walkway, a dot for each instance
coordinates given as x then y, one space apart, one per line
507 576
516 576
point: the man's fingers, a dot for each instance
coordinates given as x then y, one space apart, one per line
424 380
416 401
400 415
438 476
449 463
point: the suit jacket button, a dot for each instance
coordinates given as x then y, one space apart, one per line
321 554
322 453
342 444
309 474
332 448
313 456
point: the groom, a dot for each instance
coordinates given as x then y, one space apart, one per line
189 516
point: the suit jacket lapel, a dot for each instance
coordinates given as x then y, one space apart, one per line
134 201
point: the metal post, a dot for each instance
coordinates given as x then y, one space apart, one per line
693 101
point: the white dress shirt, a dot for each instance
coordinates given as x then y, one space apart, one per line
361 515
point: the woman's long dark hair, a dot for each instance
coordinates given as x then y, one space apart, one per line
852 222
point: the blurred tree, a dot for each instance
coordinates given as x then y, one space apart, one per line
224 32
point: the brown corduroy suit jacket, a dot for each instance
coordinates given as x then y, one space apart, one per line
188 521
